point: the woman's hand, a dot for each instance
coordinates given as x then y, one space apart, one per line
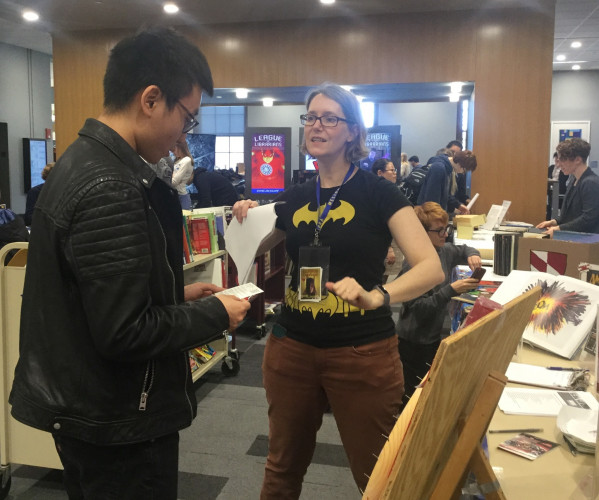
351 291
241 208
463 286
390 259
474 262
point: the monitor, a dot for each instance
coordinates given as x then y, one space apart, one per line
35 158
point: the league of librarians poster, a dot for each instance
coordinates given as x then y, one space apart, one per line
268 163
379 146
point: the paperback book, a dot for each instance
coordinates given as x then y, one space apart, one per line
527 446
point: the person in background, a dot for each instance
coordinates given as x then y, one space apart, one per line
439 181
554 173
414 162
34 193
343 348
405 168
214 189
461 189
106 321
182 172
383 167
367 162
580 209
420 325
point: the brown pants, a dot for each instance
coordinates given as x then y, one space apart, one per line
364 386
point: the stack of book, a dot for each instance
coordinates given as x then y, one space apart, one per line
203 232
579 427
199 356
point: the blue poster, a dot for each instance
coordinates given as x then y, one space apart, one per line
568 133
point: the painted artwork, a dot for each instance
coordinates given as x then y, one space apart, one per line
566 133
563 316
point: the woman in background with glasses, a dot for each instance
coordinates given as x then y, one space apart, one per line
420 325
340 347
182 173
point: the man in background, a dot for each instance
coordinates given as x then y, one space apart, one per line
33 194
106 321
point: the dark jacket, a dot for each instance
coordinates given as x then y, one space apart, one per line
436 185
580 210
104 330
32 196
214 190
421 319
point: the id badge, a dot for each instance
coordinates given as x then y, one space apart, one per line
313 268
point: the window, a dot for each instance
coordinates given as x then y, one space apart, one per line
228 151
228 124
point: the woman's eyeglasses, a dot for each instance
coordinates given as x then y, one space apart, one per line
326 121
448 230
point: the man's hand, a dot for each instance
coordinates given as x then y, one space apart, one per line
390 259
474 261
236 308
198 290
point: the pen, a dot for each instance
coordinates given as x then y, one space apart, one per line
501 431
571 446
563 369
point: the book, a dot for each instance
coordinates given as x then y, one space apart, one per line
543 402
564 314
541 376
527 446
200 233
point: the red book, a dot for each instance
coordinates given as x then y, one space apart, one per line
200 235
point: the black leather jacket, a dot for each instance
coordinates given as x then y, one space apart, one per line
104 329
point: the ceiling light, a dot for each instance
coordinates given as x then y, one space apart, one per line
456 87
267 102
576 67
560 57
170 8
241 93
576 45
327 2
454 97
360 98
30 15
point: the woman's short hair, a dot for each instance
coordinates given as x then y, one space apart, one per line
380 164
356 150
430 212
465 159
571 148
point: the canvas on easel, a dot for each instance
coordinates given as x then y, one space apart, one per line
429 436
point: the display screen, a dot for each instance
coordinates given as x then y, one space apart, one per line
311 163
34 160
268 163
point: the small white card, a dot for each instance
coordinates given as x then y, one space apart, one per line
244 291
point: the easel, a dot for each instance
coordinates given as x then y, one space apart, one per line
436 439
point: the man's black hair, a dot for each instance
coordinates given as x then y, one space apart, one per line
414 158
454 143
156 56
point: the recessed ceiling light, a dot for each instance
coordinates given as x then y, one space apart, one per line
30 15
576 67
219 96
241 93
170 8
267 102
560 57
327 2
576 45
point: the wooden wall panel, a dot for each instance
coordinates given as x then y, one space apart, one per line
508 53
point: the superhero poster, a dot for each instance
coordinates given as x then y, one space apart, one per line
268 163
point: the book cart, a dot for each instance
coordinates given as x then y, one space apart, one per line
21 444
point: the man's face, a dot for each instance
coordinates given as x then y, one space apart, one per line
455 148
568 166
166 126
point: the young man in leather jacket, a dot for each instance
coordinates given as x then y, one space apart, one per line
106 321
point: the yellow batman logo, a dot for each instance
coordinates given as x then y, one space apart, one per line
343 211
330 305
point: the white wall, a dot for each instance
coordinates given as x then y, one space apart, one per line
425 126
25 105
575 96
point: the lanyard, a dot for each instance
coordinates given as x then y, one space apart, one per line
329 204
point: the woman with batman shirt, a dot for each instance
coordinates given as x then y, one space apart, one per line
342 348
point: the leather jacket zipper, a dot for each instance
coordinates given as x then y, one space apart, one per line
147 385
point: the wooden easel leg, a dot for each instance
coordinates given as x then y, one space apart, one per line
485 477
468 443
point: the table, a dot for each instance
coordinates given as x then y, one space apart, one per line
557 475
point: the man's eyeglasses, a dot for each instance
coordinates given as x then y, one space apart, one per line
326 121
448 230
190 119
393 170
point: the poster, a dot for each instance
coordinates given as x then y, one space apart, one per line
268 163
562 130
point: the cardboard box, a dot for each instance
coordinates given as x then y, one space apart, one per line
554 256
466 223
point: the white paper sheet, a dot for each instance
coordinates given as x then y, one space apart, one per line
539 375
242 240
543 402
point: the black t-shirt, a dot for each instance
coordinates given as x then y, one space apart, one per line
358 236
